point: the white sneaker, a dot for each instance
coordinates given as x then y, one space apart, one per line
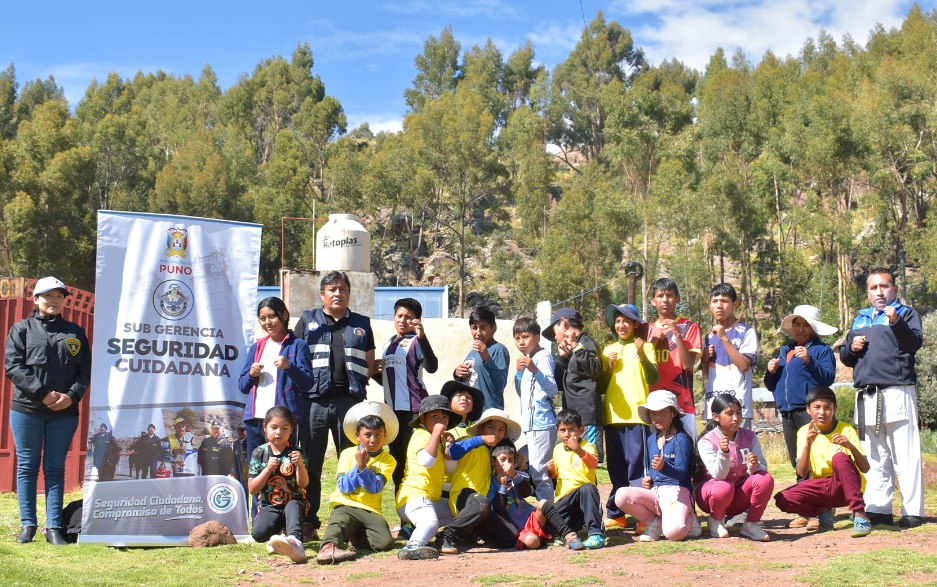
270 546
717 528
737 520
753 531
696 529
289 546
652 532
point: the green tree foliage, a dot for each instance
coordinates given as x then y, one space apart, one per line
438 70
787 177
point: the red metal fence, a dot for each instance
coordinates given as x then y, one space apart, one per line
16 303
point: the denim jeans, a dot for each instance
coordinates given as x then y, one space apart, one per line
30 433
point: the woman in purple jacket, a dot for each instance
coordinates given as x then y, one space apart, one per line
277 372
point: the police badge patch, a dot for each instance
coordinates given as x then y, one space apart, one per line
73 346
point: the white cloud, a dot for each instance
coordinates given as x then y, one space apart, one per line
691 31
554 42
344 45
378 122
492 9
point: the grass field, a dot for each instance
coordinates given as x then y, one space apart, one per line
39 564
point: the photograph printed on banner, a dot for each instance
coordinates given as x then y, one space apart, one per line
168 442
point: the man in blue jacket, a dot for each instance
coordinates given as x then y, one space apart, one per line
880 348
342 347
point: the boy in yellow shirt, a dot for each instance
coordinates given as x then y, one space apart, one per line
573 466
363 471
470 484
629 368
830 452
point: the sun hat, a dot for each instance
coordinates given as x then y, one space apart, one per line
658 400
514 429
450 388
568 313
179 420
47 284
371 408
812 316
436 402
627 310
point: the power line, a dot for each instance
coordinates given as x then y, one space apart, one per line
583 13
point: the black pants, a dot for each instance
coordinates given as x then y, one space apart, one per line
398 448
556 523
271 519
791 422
321 418
475 518
582 507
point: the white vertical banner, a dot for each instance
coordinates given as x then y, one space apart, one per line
175 305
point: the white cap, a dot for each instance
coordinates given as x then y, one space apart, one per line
47 284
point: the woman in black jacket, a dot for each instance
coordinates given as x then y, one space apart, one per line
49 362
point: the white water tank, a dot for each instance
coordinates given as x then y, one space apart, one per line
343 244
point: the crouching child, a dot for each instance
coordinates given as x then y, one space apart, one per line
508 495
363 471
573 466
830 452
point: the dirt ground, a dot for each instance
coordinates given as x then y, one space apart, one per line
702 561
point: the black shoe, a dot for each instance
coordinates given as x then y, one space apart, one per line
881 519
56 537
448 547
27 533
910 521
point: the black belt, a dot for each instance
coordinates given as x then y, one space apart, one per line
860 408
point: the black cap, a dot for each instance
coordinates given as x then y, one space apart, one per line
567 313
450 388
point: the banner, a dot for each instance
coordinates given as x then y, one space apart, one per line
175 307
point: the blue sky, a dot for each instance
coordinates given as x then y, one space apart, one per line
364 50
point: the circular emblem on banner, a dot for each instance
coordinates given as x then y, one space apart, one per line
222 498
173 299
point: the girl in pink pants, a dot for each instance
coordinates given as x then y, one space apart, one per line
664 501
734 473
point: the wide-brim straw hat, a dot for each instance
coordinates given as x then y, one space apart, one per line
812 316
450 388
514 429
436 402
370 408
658 400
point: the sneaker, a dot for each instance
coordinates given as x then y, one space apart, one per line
696 529
753 531
615 523
448 547
878 519
270 547
825 520
861 527
798 522
289 546
717 528
594 542
405 531
910 521
738 520
417 553
573 542
652 532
